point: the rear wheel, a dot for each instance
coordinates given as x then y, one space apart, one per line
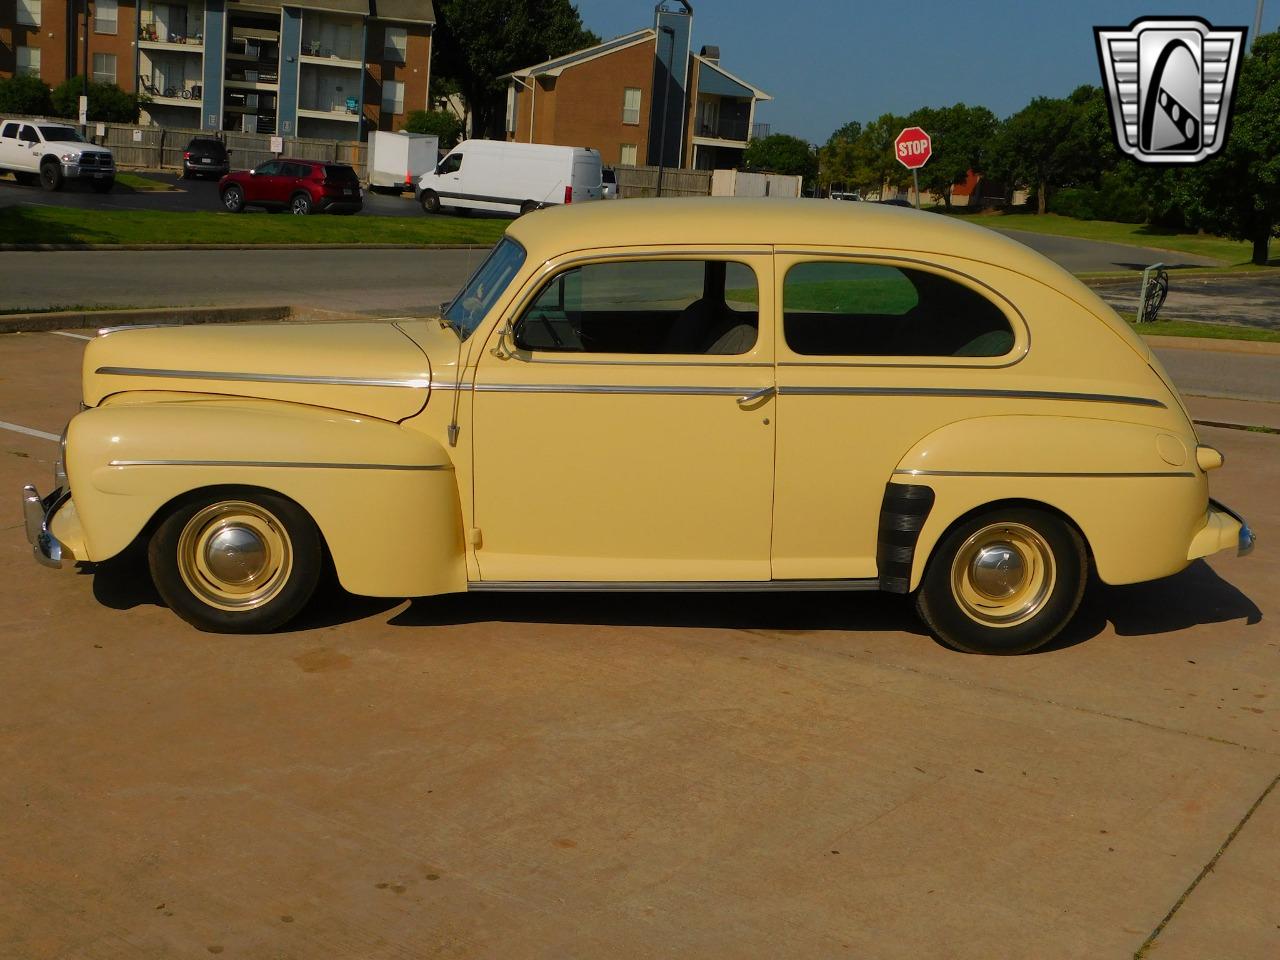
236 560
102 186
233 198
301 205
1005 581
430 201
50 175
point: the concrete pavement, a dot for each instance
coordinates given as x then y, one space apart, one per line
709 776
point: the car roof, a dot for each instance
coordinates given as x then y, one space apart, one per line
805 223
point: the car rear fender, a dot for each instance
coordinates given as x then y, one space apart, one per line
384 496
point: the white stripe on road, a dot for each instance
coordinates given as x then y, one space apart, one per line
29 431
74 336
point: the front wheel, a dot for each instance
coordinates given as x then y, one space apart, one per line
430 201
50 175
236 560
300 205
233 199
1004 582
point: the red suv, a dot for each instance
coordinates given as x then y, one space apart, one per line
300 186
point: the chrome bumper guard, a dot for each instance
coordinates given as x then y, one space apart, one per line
38 511
1247 539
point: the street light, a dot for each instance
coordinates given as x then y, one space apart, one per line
666 92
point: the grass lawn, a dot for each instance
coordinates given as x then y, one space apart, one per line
1137 234
66 225
1210 331
135 181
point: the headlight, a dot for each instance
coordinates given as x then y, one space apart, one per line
69 157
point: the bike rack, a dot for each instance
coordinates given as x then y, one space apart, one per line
1159 270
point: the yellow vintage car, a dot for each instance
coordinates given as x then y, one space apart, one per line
664 395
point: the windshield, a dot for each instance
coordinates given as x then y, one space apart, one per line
485 286
61 133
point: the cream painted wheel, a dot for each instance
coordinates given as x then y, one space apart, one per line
1006 580
236 559
1002 575
234 555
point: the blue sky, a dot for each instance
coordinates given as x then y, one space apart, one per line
828 61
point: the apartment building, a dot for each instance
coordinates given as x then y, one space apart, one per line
637 98
333 69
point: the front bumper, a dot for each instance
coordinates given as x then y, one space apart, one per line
1223 529
38 512
72 169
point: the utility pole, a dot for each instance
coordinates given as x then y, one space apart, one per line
85 42
1257 24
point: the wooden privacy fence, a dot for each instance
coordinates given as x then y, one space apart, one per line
159 147
643 182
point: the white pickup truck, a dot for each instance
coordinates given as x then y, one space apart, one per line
53 152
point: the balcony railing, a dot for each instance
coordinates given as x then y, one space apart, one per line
725 128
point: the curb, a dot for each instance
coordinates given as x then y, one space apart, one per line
176 316
1135 278
53 247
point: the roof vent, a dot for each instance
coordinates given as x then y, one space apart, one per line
710 53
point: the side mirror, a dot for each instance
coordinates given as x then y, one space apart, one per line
253 173
505 346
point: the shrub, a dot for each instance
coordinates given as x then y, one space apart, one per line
439 123
1117 199
107 102
25 95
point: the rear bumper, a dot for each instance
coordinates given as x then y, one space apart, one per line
1224 529
38 513
207 168
340 203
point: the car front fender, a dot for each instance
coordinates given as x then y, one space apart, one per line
384 496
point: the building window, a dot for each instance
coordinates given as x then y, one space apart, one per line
104 17
395 42
627 155
28 61
631 105
104 68
392 96
29 12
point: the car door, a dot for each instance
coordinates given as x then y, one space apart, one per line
623 423
265 183
29 147
874 353
9 144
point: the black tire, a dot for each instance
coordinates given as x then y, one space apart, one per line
51 175
528 207
27 179
301 205
292 557
430 201
102 186
233 198
970 599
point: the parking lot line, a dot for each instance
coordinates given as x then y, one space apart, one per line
29 431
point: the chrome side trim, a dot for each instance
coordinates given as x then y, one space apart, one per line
650 363
968 392
646 389
278 463
1032 473
418 382
669 586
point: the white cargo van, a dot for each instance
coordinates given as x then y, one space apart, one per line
397 160
510 177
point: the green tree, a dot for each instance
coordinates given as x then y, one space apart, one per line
833 163
871 163
477 41
962 137
782 153
24 95
107 102
438 123
1237 193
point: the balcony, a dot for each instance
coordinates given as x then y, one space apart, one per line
722 120
735 129
173 26
333 60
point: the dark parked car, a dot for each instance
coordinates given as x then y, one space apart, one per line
205 157
299 186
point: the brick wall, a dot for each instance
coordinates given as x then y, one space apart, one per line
414 73
56 32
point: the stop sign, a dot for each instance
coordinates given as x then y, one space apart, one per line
913 148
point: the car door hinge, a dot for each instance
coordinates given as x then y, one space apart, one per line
475 537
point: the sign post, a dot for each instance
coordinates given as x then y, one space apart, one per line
913 148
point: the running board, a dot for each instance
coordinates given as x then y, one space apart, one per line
669 586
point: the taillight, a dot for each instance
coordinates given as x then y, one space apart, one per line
568 194
186 154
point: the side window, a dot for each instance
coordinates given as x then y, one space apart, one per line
272 168
10 131
700 307
28 134
451 163
833 309
297 170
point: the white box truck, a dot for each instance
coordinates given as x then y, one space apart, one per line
397 160
510 177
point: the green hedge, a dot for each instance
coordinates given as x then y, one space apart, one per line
1116 200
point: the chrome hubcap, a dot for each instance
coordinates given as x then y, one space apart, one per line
1003 574
234 555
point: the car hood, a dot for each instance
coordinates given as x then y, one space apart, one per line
73 146
369 368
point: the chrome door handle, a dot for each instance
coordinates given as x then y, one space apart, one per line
760 394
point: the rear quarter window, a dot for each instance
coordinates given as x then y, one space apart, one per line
340 172
849 309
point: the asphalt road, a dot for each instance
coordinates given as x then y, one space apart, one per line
709 776
1096 256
